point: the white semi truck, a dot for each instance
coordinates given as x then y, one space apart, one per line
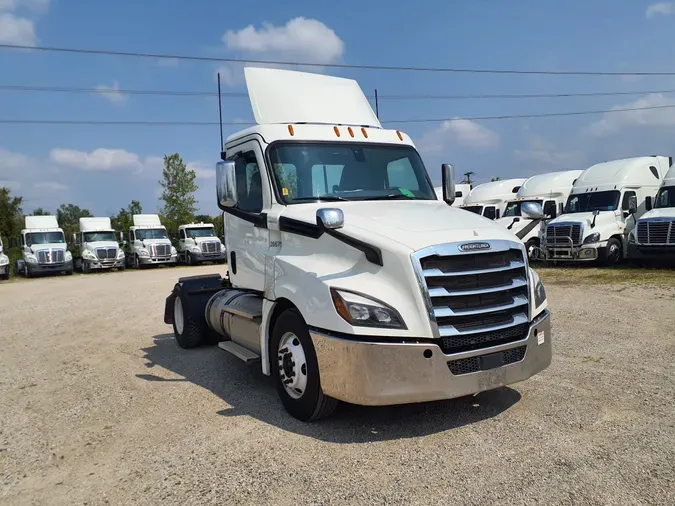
348 280
461 192
4 263
606 201
148 243
550 191
43 248
654 236
198 242
97 246
489 199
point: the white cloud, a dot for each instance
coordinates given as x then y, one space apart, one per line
201 171
459 132
660 9
657 110
99 160
112 93
50 186
11 163
16 30
230 74
546 155
6 5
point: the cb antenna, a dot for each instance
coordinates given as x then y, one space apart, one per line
220 120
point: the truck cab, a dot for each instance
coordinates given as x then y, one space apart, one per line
198 243
654 236
98 246
43 248
605 203
4 264
489 199
148 243
549 191
347 279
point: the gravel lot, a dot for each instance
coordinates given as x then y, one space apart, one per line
98 405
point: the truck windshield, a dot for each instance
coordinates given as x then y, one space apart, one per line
99 236
513 208
474 209
665 197
199 232
150 233
593 201
348 171
44 238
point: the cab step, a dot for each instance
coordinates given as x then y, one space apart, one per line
239 351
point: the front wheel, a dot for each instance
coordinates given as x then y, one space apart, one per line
296 370
612 252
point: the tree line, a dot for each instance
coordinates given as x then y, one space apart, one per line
178 198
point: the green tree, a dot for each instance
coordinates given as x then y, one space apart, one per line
178 194
124 219
218 225
68 216
11 222
202 218
41 212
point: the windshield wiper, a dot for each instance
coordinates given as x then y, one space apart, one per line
392 196
319 199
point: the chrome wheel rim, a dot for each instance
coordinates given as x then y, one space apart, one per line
178 314
614 252
292 365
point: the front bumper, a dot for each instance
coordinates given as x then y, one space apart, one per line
208 257
49 268
641 252
4 268
583 253
99 265
384 373
158 260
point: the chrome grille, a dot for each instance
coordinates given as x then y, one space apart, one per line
160 250
559 234
106 253
51 256
474 364
211 247
477 299
656 232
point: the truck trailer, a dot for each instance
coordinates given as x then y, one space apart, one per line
490 199
43 248
347 279
149 244
98 246
198 243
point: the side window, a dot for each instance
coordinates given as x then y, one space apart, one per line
249 183
132 236
325 178
489 212
654 172
626 197
400 173
550 208
182 233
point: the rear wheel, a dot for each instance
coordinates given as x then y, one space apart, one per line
612 252
296 370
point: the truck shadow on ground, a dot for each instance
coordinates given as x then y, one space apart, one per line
249 392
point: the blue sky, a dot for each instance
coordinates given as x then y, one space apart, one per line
104 167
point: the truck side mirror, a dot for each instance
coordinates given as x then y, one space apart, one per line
330 218
75 238
648 203
632 204
226 184
122 241
532 210
448 175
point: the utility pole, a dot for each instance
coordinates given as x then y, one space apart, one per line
377 105
467 177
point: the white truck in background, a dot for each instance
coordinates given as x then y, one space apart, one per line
43 248
148 243
654 236
489 199
550 191
198 242
348 279
461 191
606 201
98 247
4 264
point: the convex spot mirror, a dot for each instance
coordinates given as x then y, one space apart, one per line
532 210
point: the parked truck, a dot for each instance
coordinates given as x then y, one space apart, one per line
606 201
4 264
43 248
97 245
461 191
198 242
549 190
148 243
348 280
489 199
654 236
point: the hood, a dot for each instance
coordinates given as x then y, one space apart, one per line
102 244
37 247
200 240
517 226
156 241
606 221
664 212
415 224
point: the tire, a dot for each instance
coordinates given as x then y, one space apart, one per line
69 272
613 253
528 245
188 259
188 328
136 262
5 276
85 267
307 402
26 272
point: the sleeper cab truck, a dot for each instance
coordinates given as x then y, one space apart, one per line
4 264
461 191
97 245
148 243
550 191
348 280
489 199
43 248
654 236
606 201
198 243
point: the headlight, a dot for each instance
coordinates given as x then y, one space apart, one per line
31 259
173 251
86 254
222 247
120 255
361 311
594 237
69 256
539 291
4 259
143 252
196 249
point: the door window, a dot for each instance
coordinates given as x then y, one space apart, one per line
249 183
490 212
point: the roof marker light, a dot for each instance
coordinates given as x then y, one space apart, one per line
337 131
351 132
290 130
363 131
399 135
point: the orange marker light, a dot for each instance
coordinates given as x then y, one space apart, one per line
399 135
337 131
363 131
290 130
351 132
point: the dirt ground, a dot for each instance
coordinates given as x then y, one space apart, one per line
98 405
